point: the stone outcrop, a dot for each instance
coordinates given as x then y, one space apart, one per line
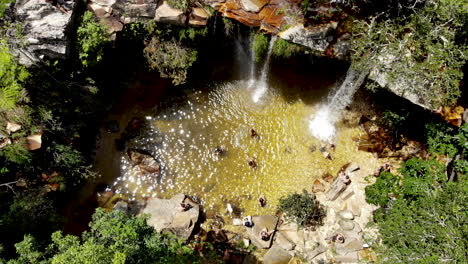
276 255
171 216
262 223
45 30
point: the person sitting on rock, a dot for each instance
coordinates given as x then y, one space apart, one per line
185 207
252 163
248 221
338 238
262 200
265 235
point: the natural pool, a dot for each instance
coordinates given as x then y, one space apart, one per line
183 137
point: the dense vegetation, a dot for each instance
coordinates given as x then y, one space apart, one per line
419 46
114 237
423 215
302 208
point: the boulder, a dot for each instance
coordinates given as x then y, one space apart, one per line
283 242
316 38
346 224
45 30
346 215
338 186
276 255
350 245
198 17
12 127
318 186
144 161
34 142
261 223
168 215
380 75
168 14
327 177
253 5
121 206
311 254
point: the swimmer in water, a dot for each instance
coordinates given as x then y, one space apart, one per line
253 133
252 163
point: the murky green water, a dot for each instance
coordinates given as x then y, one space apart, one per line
184 138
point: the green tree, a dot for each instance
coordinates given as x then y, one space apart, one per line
114 237
422 50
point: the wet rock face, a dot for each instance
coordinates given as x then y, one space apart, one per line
253 5
45 29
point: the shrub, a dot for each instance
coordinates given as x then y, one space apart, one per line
11 77
92 39
379 193
260 46
16 153
284 49
303 209
179 4
170 58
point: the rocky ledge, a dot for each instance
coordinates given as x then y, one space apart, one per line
45 29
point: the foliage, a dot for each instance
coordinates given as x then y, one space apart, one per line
92 39
424 212
260 46
422 51
179 4
228 26
4 5
171 59
431 229
114 237
11 77
380 192
303 208
284 49
16 153
445 141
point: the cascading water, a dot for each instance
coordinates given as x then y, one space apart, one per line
322 124
262 85
252 64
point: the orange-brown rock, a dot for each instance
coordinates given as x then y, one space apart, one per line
318 186
233 9
253 5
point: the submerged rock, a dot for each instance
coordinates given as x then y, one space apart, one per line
144 161
318 186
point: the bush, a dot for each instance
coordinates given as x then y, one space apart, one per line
386 185
179 4
303 209
284 49
11 76
171 59
92 39
16 153
260 46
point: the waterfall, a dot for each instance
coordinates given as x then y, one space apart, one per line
262 85
252 63
322 123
